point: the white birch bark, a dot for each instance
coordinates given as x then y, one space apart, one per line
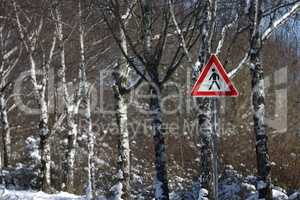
71 128
274 25
71 149
161 180
121 91
6 140
215 112
87 129
71 103
40 89
258 103
205 104
7 64
87 118
121 80
1 170
280 21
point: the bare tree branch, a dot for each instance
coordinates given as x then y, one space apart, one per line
279 22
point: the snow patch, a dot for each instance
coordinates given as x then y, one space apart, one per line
34 195
117 191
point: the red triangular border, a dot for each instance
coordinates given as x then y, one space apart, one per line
214 60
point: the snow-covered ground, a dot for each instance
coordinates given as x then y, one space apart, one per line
33 195
232 186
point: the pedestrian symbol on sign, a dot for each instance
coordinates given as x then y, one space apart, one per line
215 77
213 81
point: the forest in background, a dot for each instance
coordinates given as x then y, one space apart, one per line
95 95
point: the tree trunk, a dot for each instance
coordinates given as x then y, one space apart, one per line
161 181
123 145
1 171
205 135
70 151
258 103
205 104
71 107
44 181
121 92
6 140
87 130
87 118
121 82
5 152
204 114
45 173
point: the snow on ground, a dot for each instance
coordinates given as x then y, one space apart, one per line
33 195
232 186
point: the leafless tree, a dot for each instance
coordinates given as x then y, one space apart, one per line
29 32
73 99
149 51
71 104
252 58
121 90
10 53
257 37
86 94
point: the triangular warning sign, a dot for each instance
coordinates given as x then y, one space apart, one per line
214 81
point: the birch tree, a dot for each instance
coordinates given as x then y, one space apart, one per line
10 56
258 103
257 37
121 97
205 104
87 118
10 53
72 100
275 22
122 87
258 34
254 10
71 103
207 107
153 49
151 64
30 40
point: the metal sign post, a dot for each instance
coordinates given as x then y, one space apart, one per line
214 143
214 82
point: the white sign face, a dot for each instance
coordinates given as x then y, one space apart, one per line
213 81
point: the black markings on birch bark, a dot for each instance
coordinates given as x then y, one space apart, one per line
6 140
161 181
258 102
121 82
205 104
